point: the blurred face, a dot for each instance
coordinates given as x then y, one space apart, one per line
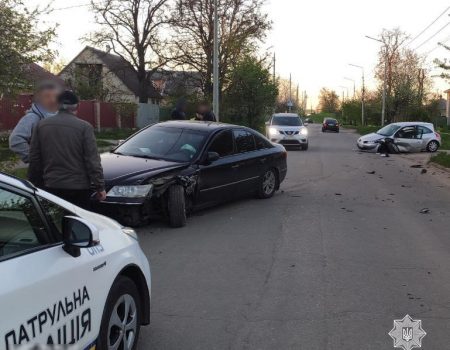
48 98
202 109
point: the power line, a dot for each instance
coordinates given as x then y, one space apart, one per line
427 27
443 42
431 37
69 7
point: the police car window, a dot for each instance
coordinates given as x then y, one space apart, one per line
244 141
223 144
55 214
21 226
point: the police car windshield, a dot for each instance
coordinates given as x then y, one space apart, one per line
173 144
287 121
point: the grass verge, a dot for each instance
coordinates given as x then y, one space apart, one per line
442 158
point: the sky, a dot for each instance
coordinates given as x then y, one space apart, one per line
314 40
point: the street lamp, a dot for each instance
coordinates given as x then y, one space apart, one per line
383 108
362 92
354 85
216 63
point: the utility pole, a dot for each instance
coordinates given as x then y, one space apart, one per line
386 57
274 66
305 102
290 93
216 63
354 86
362 92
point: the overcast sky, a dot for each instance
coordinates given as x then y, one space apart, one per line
315 40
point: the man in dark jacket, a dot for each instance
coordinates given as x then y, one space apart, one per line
179 113
204 113
64 157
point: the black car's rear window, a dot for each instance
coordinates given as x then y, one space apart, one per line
286 121
175 144
330 121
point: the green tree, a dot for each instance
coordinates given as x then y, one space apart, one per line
444 64
328 101
243 25
21 43
251 94
407 83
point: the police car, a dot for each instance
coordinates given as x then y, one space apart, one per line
68 276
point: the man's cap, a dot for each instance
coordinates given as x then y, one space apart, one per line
68 98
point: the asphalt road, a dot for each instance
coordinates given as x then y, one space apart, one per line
328 263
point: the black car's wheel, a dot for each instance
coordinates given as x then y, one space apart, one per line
432 146
177 206
268 184
323 130
305 147
121 318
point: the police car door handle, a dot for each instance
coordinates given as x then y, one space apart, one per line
263 160
235 166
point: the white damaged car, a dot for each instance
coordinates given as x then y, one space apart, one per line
68 276
407 137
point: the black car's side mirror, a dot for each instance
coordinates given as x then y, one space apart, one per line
212 157
77 234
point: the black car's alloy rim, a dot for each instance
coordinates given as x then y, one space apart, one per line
269 182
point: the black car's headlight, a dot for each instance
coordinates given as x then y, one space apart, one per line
136 191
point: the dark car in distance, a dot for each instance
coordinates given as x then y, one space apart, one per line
330 124
172 168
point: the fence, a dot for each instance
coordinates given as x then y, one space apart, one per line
101 115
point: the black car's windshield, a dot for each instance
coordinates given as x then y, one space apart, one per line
388 130
175 144
286 121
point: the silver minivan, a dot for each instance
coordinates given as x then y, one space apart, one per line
407 136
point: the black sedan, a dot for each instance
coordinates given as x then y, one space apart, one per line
172 168
330 124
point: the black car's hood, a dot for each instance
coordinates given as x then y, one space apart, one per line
127 169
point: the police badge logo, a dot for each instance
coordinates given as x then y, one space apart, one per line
407 333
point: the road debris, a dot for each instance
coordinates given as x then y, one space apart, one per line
371 172
425 211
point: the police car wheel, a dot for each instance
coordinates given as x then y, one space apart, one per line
121 318
177 206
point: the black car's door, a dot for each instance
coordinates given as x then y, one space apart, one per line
248 168
217 179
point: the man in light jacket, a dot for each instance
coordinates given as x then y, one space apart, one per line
45 105
63 156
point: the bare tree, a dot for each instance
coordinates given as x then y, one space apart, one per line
328 101
242 26
407 83
133 30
